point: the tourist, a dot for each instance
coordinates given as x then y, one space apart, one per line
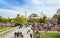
22 36
30 35
15 34
38 34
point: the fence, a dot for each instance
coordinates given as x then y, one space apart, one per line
7 31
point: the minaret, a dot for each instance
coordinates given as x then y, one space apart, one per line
42 14
58 12
25 14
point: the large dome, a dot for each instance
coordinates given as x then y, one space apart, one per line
33 15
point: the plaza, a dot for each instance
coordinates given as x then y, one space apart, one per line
29 18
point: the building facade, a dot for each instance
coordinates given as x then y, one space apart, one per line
54 18
35 16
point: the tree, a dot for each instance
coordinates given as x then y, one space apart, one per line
20 20
3 20
43 20
18 15
33 20
0 19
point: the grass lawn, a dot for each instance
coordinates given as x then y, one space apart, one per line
4 28
48 35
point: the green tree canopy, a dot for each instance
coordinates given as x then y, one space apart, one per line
2 19
43 20
20 20
33 20
58 17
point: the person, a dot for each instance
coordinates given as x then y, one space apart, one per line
15 34
30 35
22 36
28 31
38 35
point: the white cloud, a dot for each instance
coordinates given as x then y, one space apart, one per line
35 1
33 6
8 11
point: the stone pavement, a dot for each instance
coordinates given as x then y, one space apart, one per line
23 30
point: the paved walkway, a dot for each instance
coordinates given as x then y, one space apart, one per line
23 30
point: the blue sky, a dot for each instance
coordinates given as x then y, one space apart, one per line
9 8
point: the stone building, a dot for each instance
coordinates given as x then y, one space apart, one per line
35 16
54 18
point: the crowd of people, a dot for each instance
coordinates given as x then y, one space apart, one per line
47 27
18 34
38 27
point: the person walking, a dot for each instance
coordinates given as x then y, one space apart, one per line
28 31
22 36
37 34
30 35
15 35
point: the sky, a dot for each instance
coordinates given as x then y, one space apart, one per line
10 8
